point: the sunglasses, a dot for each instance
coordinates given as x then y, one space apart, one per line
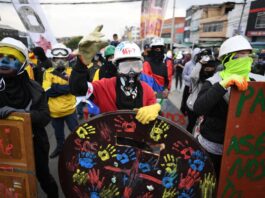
126 67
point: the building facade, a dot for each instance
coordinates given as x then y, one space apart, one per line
179 30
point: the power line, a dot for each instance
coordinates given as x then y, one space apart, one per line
82 2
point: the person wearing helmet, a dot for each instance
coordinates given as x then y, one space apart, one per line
97 63
61 101
124 91
43 63
20 94
212 101
156 68
146 52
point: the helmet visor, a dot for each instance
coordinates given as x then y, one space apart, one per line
59 52
128 66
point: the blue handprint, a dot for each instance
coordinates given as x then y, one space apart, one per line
186 193
168 180
125 179
128 155
94 195
148 166
197 160
86 159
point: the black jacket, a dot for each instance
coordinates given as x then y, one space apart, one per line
78 79
211 104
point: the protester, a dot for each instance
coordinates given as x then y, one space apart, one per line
20 94
146 52
156 68
43 63
179 65
61 101
115 41
170 67
186 76
212 101
97 62
125 91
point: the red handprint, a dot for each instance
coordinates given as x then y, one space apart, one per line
73 164
147 195
6 150
181 119
191 178
93 178
79 193
124 125
183 148
104 131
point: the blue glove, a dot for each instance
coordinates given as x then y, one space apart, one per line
6 110
92 108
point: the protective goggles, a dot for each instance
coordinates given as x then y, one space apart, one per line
130 66
60 52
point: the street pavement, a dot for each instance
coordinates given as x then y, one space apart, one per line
175 96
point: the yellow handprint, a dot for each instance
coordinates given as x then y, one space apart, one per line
108 192
169 193
85 130
107 153
207 186
158 130
171 163
80 177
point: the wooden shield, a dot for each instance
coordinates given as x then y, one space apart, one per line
113 155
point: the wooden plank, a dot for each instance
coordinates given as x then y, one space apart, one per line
17 168
243 163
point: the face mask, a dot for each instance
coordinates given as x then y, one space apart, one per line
239 66
60 63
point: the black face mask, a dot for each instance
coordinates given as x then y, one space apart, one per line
206 74
157 56
128 82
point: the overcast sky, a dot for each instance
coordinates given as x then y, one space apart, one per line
74 20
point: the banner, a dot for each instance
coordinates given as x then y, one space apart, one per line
35 22
152 14
243 162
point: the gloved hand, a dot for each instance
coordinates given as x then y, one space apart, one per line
148 113
91 44
6 110
237 80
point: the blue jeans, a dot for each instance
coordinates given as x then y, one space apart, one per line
58 125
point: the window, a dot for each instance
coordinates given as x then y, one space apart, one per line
260 21
213 27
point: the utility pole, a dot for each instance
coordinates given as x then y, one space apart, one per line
173 26
240 20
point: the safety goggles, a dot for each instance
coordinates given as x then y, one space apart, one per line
130 66
60 52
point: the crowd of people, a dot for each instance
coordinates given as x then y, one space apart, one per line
122 77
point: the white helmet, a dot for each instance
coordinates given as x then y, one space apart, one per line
127 49
59 50
10 42
169 54
234 44
157 41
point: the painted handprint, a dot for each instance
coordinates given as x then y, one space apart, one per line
171 163
94 179
191 178
104 131
148 166
109 191
183 148
147 195
186 193
86 159
124 125
126 156
107 153
158 130
169 193
169 180
197 160
207 185
85 130
80 177
72 164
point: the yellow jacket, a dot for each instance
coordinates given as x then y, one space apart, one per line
29 69
62 105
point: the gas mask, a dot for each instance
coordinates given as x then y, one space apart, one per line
60 64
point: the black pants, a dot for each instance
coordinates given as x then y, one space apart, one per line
185 96
41 152
178 76
192 118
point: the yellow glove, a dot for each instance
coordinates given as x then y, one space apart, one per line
148 113
237 80
91 44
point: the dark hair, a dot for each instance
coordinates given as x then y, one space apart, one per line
116 35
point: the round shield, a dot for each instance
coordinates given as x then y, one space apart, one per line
113 155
